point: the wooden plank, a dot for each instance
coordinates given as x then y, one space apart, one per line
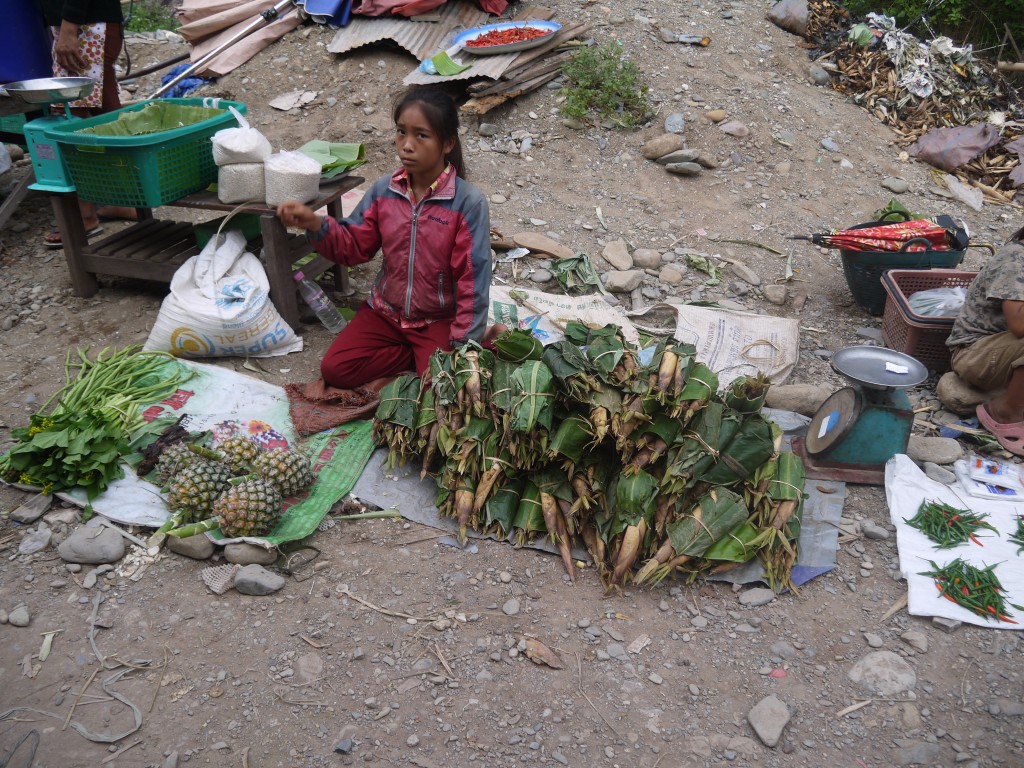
72 232
484 104
123 243
542 68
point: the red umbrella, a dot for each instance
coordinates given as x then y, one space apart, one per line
914 235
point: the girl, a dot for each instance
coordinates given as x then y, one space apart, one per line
433 228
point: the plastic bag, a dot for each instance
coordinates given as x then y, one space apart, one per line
243 144
938 302
5 159
219 306
291 176
241 183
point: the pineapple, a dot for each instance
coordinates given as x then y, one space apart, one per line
287 471
239 453
250 506
195 488
173 460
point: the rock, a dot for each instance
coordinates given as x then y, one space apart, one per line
623 281
511 607
706 162
768 718
171 761
939 474
916 640
946 625
883 673
662 145
32 509
896 185
67 516
784 168
871 334
679 156
15 152
775 294
917 752
801 398
92 546
911 716
873 530
735 128
829 144
819 75
873 640
783 649
646 258
675 123
715 115
243 553
19 617
958 396
487 129
498 199
539 243
756 596
745 273
670 275
940 450
344 746
540 276
196 547
308 669
257 581
35 541
684 169
616 253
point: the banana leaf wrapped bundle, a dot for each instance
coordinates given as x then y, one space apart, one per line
612 358
746 394
532 413
529 519
517 346
738 546
554 491
717 513
782 521
696 447
394 424
471 369
636 410
751 446
701 386
427 428
653 442
455 499
571 369
499 511
496 467
633 506
670 368
570 442
468 453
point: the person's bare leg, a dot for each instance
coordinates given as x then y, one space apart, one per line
1008 408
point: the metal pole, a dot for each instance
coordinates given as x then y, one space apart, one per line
266 17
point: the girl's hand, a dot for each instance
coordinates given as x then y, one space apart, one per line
294 214
66 51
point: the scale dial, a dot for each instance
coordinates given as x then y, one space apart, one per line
834 420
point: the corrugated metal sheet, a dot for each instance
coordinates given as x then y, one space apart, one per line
423 39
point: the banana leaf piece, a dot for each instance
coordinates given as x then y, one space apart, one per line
501 385
746 394
737 546
571 369
571 439
701 386
442 378
576 274
500 510
751 447
635 497
718 512
517 345
399 402
533 396
529 519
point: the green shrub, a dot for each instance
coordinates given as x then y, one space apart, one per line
599 81
979 22
150 15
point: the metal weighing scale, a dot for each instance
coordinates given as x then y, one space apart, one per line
51 173
860 427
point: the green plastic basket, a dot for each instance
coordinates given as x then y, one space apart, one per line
142 171
12 123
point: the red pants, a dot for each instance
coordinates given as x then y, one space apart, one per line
372 347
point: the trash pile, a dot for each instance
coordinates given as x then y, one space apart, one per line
918 88
637 452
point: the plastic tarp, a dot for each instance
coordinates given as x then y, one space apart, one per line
906 487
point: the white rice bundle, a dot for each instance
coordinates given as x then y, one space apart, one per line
241 183
291 176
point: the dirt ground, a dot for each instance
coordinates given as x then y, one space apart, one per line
285 680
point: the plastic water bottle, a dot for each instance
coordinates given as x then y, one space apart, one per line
319 302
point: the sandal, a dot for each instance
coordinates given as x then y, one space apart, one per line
1009 435
53 239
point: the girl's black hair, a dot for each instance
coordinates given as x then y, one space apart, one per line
443 116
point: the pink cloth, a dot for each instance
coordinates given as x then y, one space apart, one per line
416 7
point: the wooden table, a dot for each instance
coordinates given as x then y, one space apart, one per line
153 249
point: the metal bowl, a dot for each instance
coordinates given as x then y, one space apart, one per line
865 365
50 90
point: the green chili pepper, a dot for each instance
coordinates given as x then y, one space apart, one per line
948 526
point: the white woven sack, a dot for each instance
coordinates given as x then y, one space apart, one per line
241 183
291 176
219 306
243 144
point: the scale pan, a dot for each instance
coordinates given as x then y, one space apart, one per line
866 366
50 90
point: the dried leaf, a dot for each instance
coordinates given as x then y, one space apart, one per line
181 693
639 644
313 643
44 649
824 489
539 653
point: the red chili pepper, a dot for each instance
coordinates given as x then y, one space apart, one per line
964 590
506 36
972 537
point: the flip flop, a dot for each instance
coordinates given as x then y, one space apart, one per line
1010 435
53 239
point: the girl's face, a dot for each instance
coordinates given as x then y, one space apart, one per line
419 147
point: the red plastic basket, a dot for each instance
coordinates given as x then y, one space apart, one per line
921 337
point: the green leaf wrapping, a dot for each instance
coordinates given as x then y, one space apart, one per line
533 396
716 513
737 546
751 447
502 506
518 345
